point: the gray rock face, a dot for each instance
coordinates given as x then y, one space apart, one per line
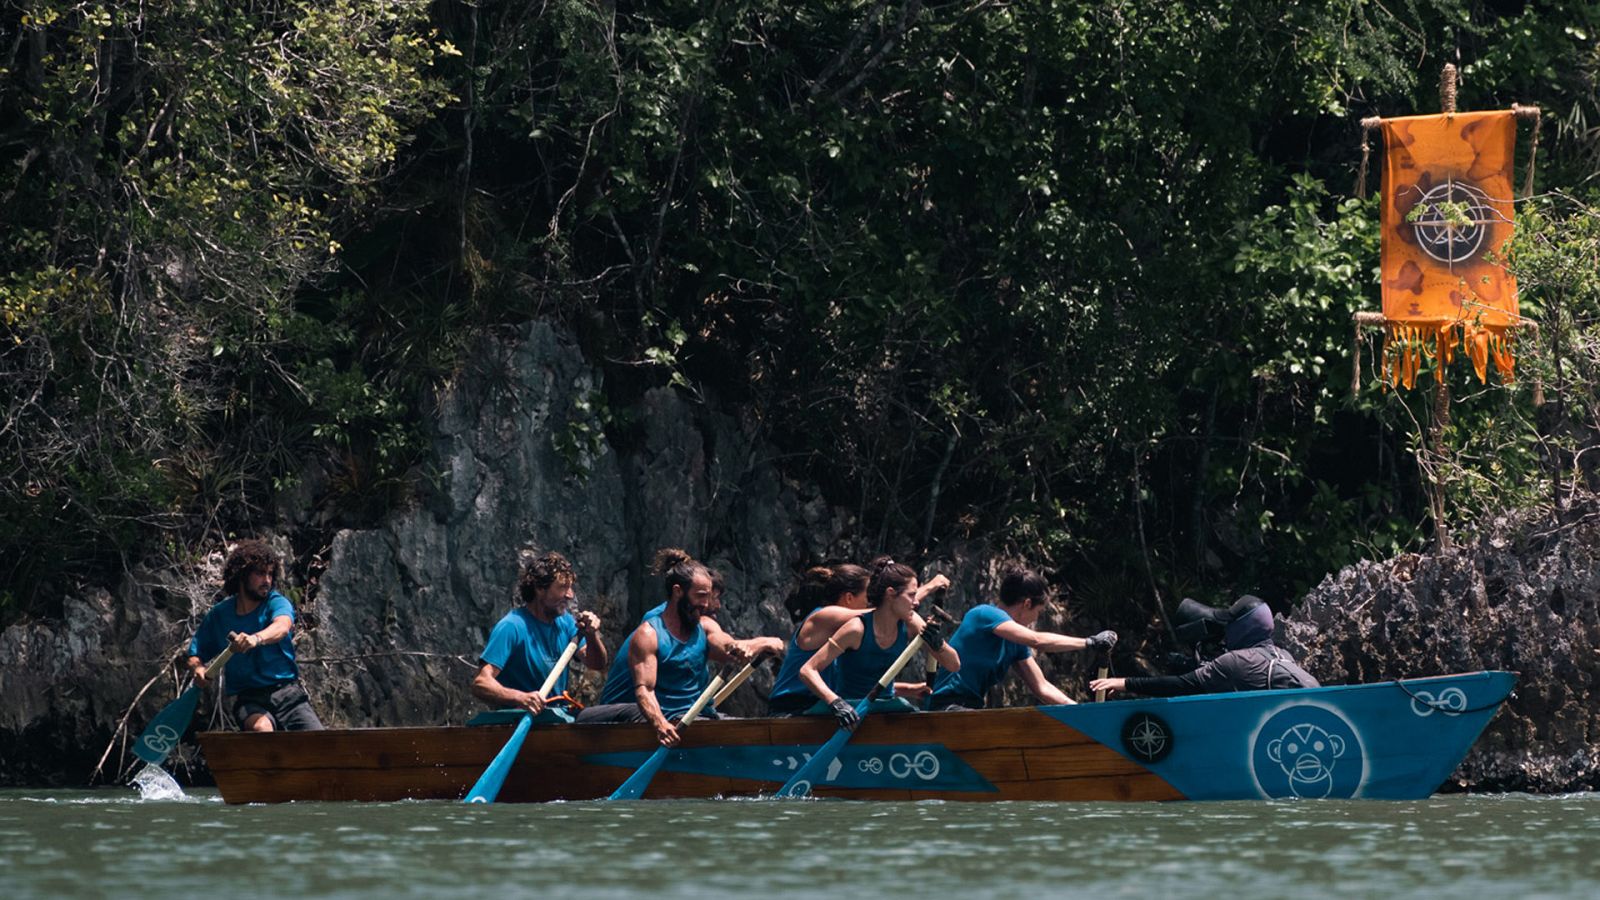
404 610
390 633
68 683
1524 597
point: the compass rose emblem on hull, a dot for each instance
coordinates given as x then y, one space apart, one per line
1146 738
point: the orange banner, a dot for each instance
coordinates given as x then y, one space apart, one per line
1447 221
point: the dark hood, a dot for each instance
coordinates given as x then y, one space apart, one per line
1251 627
1247 623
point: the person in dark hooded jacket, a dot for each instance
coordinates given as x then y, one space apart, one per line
1251 662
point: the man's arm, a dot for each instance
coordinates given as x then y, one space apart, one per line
202 648
722 647
486 686
595 654
642 663
1208 679
1041 641
1033 677
276 630
937 582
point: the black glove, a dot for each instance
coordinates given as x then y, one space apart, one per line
933 635
1105 640
845 714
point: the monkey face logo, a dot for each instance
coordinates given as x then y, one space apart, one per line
1307 755
1307 751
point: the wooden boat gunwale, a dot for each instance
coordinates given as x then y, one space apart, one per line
1392 746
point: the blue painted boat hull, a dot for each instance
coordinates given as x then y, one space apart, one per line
1391 741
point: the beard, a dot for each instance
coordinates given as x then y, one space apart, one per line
686 611
255 597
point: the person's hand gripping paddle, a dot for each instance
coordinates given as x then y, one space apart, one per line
489 783
159 738
635 786
1101 644
799 784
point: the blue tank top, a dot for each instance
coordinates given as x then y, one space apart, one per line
788 683
681 672
986 658
860 669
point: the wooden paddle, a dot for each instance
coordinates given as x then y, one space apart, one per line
634 787
733 685
799 784
159 738
1105 670
488 785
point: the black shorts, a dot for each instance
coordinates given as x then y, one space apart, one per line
287 705
790 705
939 702
618 713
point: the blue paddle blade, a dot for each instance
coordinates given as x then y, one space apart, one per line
489 783
799 784
634 787
155 743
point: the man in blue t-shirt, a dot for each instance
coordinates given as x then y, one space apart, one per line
527 643
261 677
994 640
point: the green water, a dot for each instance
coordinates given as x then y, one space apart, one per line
110 842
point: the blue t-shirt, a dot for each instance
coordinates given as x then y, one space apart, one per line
860 669
268 665
681 672
525 649
986 657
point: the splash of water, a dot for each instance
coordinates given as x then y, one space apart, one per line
155 783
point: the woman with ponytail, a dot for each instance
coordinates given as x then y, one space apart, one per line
866 645
826 598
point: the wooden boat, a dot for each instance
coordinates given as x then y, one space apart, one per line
1393 740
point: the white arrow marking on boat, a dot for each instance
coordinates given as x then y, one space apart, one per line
833 768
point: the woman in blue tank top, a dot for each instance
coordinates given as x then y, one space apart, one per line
866 645
826 598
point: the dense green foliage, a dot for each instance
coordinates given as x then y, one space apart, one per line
1075 277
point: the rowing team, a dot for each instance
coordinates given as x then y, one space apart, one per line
852 624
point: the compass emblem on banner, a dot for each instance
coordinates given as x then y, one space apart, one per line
1452 221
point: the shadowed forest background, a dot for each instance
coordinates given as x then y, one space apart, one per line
1075 279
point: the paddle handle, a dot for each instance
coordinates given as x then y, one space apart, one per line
799 784
733 685
1100 696
560 666
220 659
893 671
701 701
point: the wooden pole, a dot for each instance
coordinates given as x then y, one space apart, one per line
1441 387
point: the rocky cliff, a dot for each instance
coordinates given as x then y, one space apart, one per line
1525 596
393 617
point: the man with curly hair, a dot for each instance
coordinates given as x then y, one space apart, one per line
261 679
526 644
